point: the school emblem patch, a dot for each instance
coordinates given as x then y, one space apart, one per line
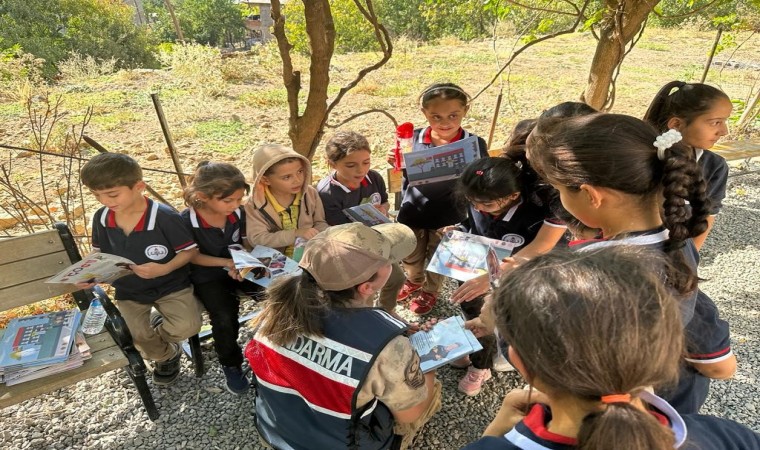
375 198
236 235
512 238
156 252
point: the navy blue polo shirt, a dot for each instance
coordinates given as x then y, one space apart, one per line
715 172
707 335
213 241
691 431
518 225
157 237
432 206
336 197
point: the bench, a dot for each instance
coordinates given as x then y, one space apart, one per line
25 263
739 150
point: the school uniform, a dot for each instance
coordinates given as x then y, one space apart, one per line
336 196
691 431
158 237
707 335
715 172
425 209
214 287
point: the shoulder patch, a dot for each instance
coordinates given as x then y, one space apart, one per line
413 375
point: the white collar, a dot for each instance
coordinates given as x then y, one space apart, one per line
334 180
508 216
642 239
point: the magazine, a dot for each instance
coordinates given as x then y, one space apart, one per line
463 256
94 268
38 340
442 163
80 352
447 341
367 214
262 264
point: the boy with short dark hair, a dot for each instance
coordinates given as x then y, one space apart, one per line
352 183
153 236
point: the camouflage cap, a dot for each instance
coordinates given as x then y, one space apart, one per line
344 256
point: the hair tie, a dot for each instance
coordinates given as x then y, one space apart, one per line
665 141
616 398
479 172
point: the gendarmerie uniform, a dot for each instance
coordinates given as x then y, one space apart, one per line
707 335
715 172
157 237
307 391
432 206
691 431
336 196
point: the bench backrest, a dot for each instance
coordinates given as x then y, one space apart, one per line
26 262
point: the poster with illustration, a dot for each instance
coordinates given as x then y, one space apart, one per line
442 163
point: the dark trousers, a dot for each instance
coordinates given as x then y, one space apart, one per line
221 302
482 359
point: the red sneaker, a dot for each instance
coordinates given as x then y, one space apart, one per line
422 303
408 289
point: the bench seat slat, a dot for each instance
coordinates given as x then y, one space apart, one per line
39 268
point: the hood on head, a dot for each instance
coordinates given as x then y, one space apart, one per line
267 156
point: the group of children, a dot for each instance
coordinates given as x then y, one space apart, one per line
612 180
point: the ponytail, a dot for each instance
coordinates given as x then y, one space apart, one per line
294 306
682 182
623 426
686 102
659 112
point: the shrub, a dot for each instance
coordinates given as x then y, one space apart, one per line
79 67
195 66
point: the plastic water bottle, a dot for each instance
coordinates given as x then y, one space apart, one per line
95 318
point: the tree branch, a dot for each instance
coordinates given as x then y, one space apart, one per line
690 13
536 8
291 80
364 113
515 54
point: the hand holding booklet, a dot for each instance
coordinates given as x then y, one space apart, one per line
94 268
447 341
465 256
262 264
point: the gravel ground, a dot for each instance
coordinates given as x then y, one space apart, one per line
105 412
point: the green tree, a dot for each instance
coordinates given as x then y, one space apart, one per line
210 22
352 32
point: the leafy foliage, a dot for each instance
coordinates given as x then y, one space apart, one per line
210 22
352 31
50 29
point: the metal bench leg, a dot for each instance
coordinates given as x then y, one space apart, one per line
196 355
137 372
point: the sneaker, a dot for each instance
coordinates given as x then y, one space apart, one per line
461 363
407 289
422 303
167 372
237 383
500 363
473 381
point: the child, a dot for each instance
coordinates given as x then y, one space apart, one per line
352 183
217 221
427 208
323 381
284 206
154 237
699 112
499 208
617 182
593 359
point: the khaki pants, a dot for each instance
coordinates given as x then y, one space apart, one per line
408 431
182 319
416 262
389 293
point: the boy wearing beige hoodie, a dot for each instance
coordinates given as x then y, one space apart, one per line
283 205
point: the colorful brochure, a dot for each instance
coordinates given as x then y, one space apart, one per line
262 264
94 268
367 214
447 341
442 163
464 256
37 340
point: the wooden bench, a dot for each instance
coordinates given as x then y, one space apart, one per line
25 263
739 150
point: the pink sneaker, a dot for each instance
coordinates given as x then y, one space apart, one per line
407 289
473 381
422 303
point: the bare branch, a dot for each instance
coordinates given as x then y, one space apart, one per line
536 8
572 29
364 113
690 13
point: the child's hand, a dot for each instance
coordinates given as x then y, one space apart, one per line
510 263
86 284
513 410
381 208
471 289
445 230
306 233
391 156
232 271
149 271
478 327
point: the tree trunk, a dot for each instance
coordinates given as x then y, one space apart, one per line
622 20
177 28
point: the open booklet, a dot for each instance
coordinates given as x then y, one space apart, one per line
367 214
464 256
95 267
262 264
445 162
447 341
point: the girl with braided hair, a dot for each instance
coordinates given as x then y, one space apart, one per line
699 112
615 173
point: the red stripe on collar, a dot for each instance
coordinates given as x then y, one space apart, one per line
427 137
111 217
536 422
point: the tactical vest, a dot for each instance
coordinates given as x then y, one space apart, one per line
306 391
